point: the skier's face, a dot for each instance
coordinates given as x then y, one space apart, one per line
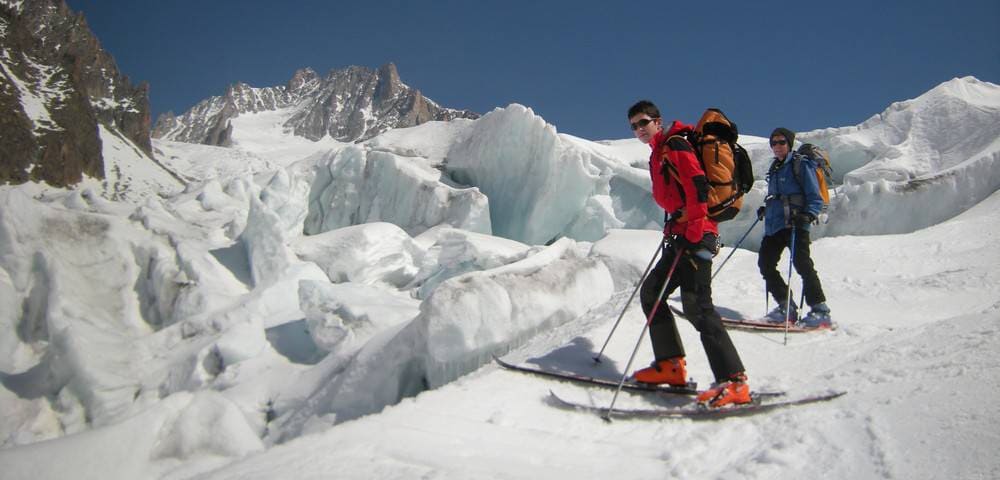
644 127
779 146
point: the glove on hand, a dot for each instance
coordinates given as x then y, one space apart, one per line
760 213
803 218
674 216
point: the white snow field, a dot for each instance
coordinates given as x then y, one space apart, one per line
322 310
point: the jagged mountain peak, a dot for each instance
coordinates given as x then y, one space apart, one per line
302 80
349 104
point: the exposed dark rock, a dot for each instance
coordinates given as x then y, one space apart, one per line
349 104
56 86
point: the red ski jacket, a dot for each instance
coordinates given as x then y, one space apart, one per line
680 183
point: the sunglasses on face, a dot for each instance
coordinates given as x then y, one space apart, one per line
641 123
778 142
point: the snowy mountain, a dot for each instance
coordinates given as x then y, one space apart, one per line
349 104
316 309
69 115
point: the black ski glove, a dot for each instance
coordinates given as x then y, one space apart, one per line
803 218
674 216
760 213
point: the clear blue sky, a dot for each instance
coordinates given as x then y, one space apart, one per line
579 64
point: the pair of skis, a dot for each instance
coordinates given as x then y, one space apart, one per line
759 325
761 401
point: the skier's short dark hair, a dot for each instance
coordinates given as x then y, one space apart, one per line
644 106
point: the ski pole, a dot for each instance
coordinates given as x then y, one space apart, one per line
755 222
659 247
767 300
649 319
788 294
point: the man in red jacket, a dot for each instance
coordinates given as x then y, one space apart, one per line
680 187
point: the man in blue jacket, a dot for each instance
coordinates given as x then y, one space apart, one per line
792 204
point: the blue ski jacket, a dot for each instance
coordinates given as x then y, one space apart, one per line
788 195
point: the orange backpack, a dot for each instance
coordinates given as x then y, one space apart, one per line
824 171
726 163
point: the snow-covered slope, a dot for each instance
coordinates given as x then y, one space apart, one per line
131 174
944 145
940 130
205 335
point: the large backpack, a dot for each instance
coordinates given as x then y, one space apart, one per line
824 171
726 163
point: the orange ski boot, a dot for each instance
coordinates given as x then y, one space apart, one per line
670 371
734 391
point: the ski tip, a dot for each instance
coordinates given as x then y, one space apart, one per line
836 393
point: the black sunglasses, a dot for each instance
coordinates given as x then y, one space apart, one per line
641 123
778 142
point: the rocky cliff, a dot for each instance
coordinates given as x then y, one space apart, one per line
349 104
56 86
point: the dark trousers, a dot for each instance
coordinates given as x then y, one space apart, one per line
767 261
694 277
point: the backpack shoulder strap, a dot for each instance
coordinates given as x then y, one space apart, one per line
680 143
797 170
672 169
676 143
824 163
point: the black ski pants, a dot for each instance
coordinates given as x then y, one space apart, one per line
771 248
694 276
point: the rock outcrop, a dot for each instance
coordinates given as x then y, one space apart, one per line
56 86
349 104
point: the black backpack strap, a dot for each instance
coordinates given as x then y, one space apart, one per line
797 171
674 142
775 165
680 143
671 170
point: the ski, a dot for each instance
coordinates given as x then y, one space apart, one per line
758 325
759 404
761 325
690 389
